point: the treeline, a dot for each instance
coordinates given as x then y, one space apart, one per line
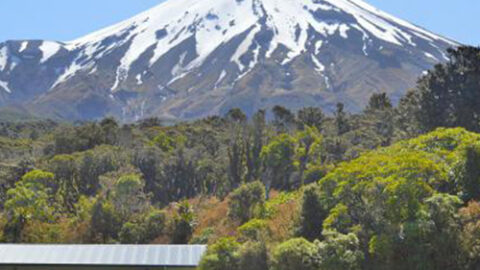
413 205
106 182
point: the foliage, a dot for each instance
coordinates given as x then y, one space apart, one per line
204 237
340 251
128 197
31 199
310 117
155 224
184 222
370 189
469 173
278 158
296 253
312 214
105 222
448 96
221 255
166 142
470 219
253 256
246 200
254 230
131 233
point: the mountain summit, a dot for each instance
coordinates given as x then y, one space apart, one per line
190 58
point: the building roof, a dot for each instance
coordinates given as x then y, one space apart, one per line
108 255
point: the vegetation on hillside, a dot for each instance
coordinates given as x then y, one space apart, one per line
388 188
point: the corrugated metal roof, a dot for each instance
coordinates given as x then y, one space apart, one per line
113 255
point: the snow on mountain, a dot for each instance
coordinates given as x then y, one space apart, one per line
212 22
175 52
3 57
49 49
4 85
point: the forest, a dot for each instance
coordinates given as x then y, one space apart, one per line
391 187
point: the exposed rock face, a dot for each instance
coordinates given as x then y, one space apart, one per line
186 59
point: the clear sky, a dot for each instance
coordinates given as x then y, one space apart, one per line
69 19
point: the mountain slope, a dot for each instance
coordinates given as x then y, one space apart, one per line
192 58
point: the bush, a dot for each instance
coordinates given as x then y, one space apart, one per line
184 222
253 256
297 253
37 177
154 225
131 233
253 230
245 200
204 237
105 221
469 175
340 251
221 256
312 214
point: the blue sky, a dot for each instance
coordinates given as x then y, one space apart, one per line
69 19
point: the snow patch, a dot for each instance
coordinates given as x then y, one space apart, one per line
48 49
23 46
220 78
177 77
3 58
429 55
318 46
4 85
243 48
68 73
319 67
343 30
139 79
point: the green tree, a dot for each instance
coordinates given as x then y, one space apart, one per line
148 161
105 222
94 163
309 143
253 256
310 117
110 130
36 178
379 119
236 115
29 200
184 223
297 254
253 230
469 173
312 214
66 175
341 120
168 142
278 161
221 255
236 145
283 119
379 102
340 251
448 95
155 224
246 200
253 146
132 233
128 196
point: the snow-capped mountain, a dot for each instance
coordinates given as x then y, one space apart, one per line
192 58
